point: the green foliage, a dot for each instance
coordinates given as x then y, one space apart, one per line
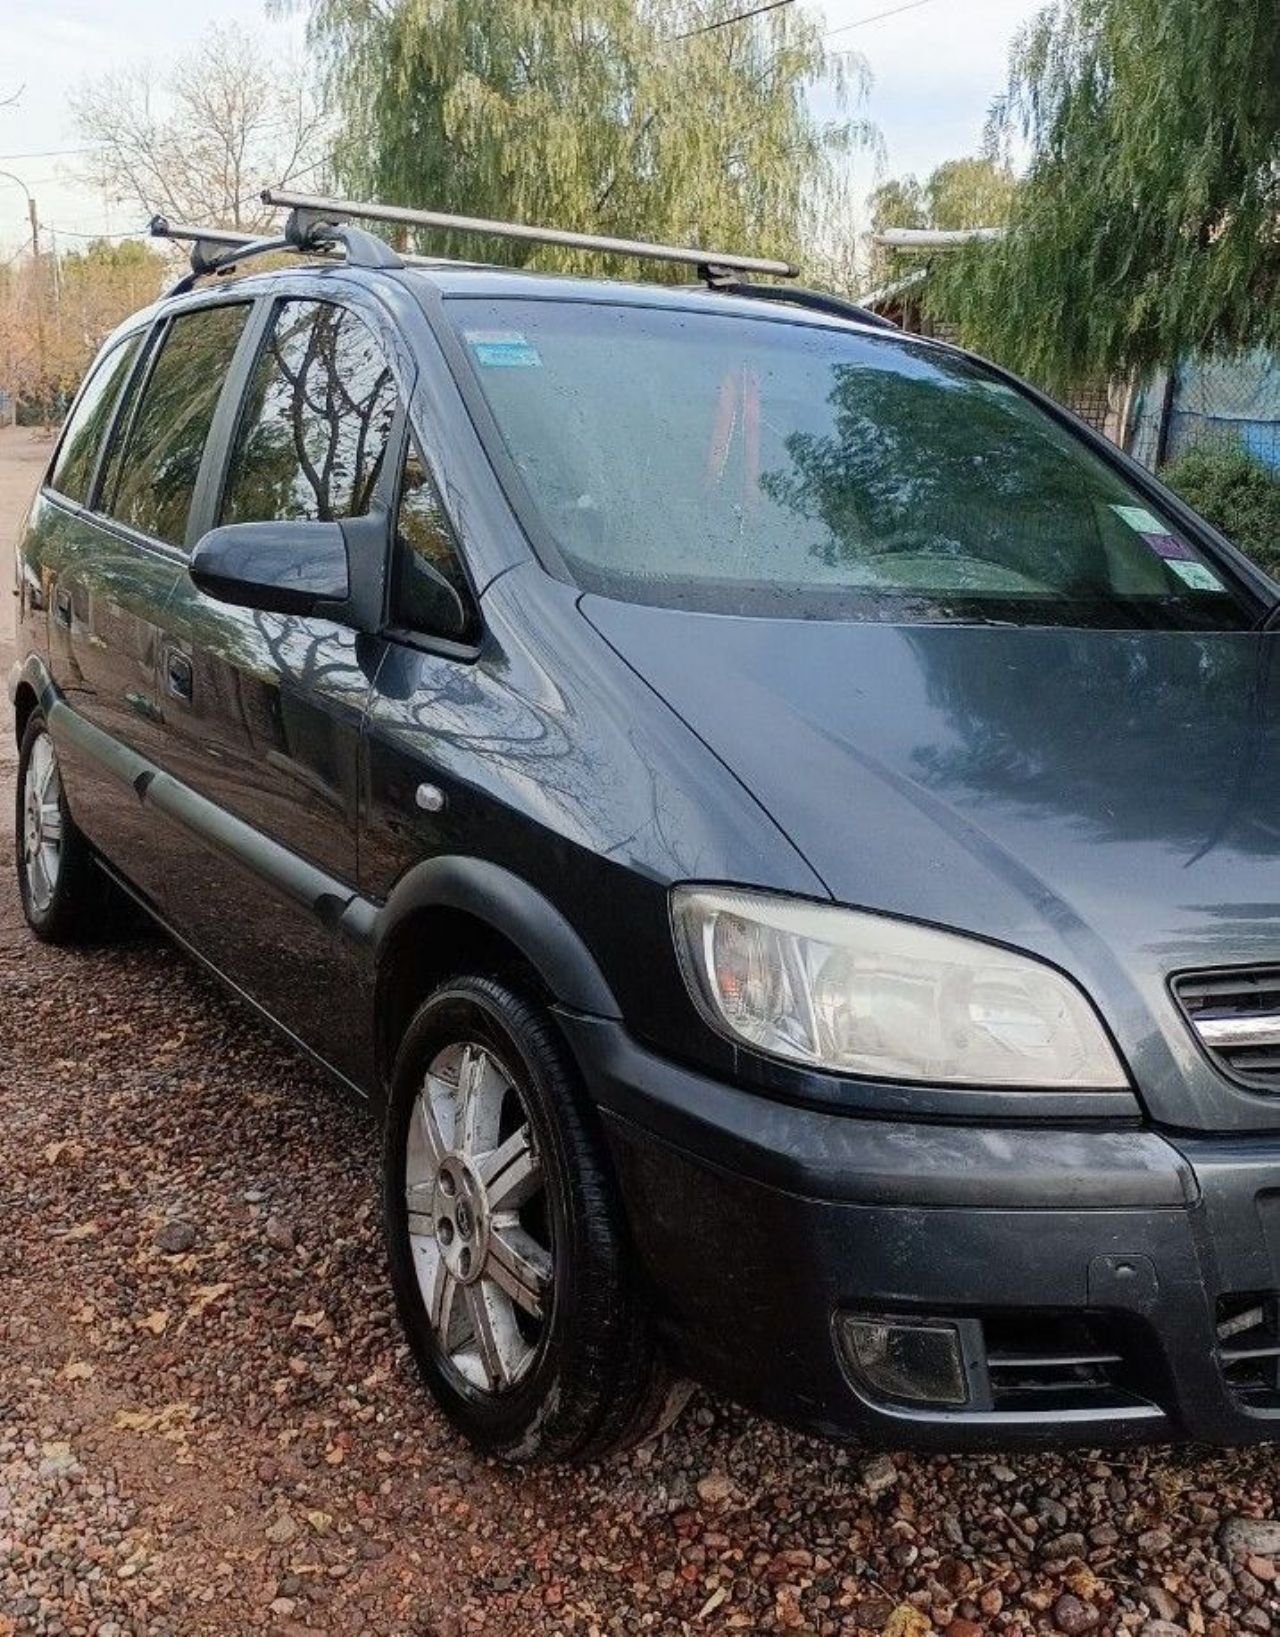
1146 226
973 192
1238 495
592 115
899 202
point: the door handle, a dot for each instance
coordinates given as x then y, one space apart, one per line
178 674
62 608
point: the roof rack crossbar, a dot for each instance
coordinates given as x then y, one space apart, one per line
213 249
713 261
217 249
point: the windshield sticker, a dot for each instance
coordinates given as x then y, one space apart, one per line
1154 532
1140 519
1199 576
502 349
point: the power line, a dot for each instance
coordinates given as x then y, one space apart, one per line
738 17
876 17
78 233
50 153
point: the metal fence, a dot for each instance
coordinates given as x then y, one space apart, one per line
1214 403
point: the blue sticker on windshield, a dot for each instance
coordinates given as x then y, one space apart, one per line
502 349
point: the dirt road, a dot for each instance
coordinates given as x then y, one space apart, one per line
207 1423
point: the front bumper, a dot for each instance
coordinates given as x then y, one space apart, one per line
1090 1272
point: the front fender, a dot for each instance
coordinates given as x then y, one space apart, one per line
514 909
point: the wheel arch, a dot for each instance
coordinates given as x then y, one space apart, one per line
25 701
29 685
452 914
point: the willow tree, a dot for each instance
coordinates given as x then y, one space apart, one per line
1148 224
594 115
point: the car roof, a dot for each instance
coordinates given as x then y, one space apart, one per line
469 279
462 279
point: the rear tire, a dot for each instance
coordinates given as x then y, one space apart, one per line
506 1247
65 897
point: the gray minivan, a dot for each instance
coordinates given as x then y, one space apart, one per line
779 817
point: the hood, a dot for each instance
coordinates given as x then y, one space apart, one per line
1109 800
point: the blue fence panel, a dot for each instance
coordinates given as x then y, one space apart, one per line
1215 402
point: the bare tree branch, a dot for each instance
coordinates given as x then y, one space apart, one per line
202 144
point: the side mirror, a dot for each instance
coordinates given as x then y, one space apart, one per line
282 567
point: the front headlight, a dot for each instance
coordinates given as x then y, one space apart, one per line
868 994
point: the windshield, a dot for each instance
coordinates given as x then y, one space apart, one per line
752 465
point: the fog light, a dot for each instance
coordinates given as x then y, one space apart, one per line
917 1360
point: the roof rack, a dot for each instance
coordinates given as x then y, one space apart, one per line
318 225
712 264
217 249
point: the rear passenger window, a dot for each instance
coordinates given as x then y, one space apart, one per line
314 429
165 444
78 452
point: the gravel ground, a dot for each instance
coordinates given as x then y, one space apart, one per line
207 1421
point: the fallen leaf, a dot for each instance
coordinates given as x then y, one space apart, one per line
172 1421
334 1456
76 1369
906 1621
204 1296
713 1602
715 1488
156 1322
282 1531
1083 1582
136 1420
321 1522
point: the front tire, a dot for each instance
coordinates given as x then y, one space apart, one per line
65 898
505 1241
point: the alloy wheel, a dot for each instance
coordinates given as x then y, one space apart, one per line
478 1225
42 823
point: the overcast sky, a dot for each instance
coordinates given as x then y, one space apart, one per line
936 68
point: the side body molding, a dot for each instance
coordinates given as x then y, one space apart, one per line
511 907
332 902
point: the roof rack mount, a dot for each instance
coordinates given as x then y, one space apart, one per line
317 207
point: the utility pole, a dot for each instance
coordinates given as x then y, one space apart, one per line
34 217
37 287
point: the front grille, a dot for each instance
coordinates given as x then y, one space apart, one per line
1235 1014
1249 1347
1059 1363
